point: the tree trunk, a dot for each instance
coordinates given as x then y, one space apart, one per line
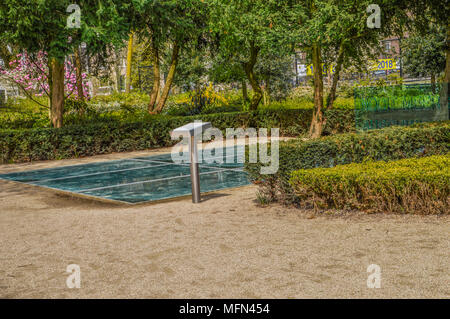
79 74
433 83
57 93
337 71
5 55
116 70
50 87
248 67
244 90
445 84
170 78
156 78
268 90
318 119
129 61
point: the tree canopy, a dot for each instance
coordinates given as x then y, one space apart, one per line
228 41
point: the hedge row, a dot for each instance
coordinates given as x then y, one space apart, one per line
102 138
405 186
392 143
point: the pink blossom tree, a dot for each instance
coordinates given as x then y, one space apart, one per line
31 74
48 26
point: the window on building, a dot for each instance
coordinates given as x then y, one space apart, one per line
387 46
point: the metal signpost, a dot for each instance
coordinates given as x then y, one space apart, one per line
192 132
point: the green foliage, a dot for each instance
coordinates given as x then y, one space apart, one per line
386 144
204 100
168 20
117 101
245 31
42 25
395 97
304 103
193 66
121 107
424 53
420 13
188 109
277 73
331 24
24 113
224 69
417 186
111 134
75 106
200 99
241 24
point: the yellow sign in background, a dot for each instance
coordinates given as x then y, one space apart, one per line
384 64
380 65
310 69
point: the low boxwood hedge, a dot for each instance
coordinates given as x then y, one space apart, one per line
115 136
392 143
420 186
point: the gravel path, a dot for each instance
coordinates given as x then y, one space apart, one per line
225 247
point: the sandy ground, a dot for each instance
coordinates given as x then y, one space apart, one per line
225 247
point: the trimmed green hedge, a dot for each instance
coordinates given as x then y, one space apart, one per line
108 137
392 143
406 186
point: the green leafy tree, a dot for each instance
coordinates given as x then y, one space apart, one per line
195 63
170 25
6 54
339 26
277 72
42 25
424 54
225 69
421 14
246 30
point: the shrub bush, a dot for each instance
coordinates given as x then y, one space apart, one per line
405 186
110 135
24 113
392 143
104 109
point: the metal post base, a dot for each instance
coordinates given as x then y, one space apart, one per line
195 177
195 181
